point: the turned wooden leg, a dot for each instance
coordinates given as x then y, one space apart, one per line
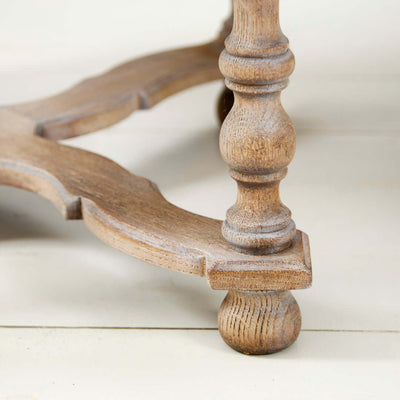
225 103
259 322
225 99
257 138
257 141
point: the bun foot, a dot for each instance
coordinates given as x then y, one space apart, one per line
259 322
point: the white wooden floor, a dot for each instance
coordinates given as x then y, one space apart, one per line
80 320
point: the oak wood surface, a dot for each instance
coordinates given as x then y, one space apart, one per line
258 141
257 138
259 322
129 213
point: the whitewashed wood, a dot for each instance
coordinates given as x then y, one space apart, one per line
129 213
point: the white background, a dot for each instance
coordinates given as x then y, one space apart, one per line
343 188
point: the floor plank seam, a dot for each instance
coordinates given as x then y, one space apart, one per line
144 328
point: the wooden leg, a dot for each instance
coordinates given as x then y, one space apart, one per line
225 103
225 99
257 138
257 141
259 322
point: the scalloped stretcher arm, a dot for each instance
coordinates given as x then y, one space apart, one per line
129 213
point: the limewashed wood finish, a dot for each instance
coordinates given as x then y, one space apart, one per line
257 142
256 253
129 213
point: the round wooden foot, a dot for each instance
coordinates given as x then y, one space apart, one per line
225 103
259 322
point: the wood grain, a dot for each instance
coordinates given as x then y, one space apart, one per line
258 141
257 138
259 322
129 213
